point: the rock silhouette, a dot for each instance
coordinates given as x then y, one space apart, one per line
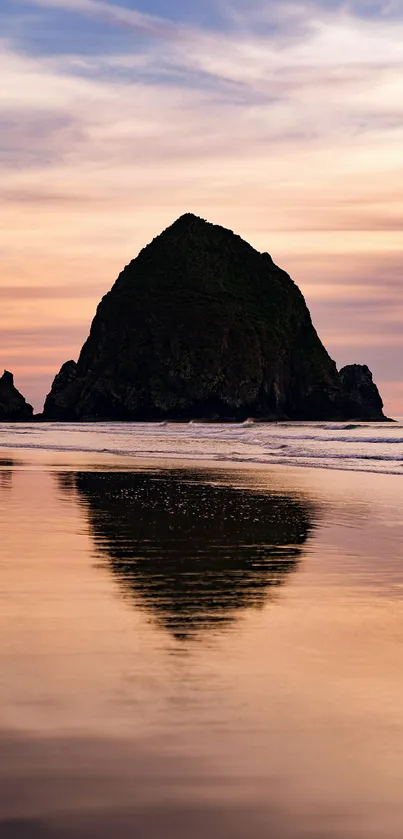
13 407
202 325
360 394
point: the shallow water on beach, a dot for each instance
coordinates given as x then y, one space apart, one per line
353 446
191 649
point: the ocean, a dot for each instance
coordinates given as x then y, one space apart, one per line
365 447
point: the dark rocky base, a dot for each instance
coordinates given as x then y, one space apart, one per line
211 420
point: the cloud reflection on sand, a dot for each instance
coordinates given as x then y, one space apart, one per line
98 788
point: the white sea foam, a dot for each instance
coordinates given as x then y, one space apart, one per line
374 447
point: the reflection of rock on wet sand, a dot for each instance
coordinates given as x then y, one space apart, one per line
193 554
6 474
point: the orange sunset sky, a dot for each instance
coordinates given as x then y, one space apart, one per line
281 121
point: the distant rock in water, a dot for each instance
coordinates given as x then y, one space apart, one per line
360 393
58 400
13 407
202 325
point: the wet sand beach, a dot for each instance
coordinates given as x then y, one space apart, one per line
192 647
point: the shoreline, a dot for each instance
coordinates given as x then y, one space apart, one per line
39 419
84 461
353 448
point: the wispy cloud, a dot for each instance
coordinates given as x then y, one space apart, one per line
112 13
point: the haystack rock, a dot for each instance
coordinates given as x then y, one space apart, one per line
13 407
201 325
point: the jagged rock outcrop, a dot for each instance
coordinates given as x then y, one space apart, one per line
58 400
13 407
360 394
202 325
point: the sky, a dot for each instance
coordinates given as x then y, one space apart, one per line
282 121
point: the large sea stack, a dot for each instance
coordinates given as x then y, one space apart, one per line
13 407
201 325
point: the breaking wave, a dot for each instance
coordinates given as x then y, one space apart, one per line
318 445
